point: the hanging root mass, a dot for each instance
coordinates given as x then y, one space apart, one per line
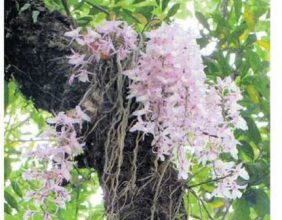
135 184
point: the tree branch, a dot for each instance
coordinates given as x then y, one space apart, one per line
66 7
209 181
227 209
98 7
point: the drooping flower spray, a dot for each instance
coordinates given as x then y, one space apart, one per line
191 118
54 163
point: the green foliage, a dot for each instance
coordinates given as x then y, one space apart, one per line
172 11
242 209
201 18
25 7
136 12
17 189
242 52
10 200
247 149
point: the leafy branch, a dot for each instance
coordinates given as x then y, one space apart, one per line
209 181
98 7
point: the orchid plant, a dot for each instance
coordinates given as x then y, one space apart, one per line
191 118
55 163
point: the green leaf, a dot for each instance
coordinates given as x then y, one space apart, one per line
79 5
259 174
253 131
238 9
266 148
25 7
35 16
173 10
7 209
252 38
242 209
253 93
17 6
255 62
97 213
203 41
223 64
84 20
250 19
247 149
138 1
17 189
142 19
76 200
8 169
146 11
39 120
261 82
94 11
158 2
164 4
128 16
11 200
6 96
262 206
201 18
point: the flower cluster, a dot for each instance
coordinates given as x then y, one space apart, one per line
113 37
228 186
54 162
190 118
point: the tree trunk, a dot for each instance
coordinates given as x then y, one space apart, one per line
136 185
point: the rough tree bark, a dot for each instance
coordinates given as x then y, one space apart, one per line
136 185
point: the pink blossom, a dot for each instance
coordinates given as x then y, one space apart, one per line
77 59
109 27
74 144
47 216
71 79
239 171
56 161
235 188
29 195
81 115
31 174
61 204
129 35
61 119
146 127
83 76
28 214
182 108
74 33
122 53
223 190
90 36
106 47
